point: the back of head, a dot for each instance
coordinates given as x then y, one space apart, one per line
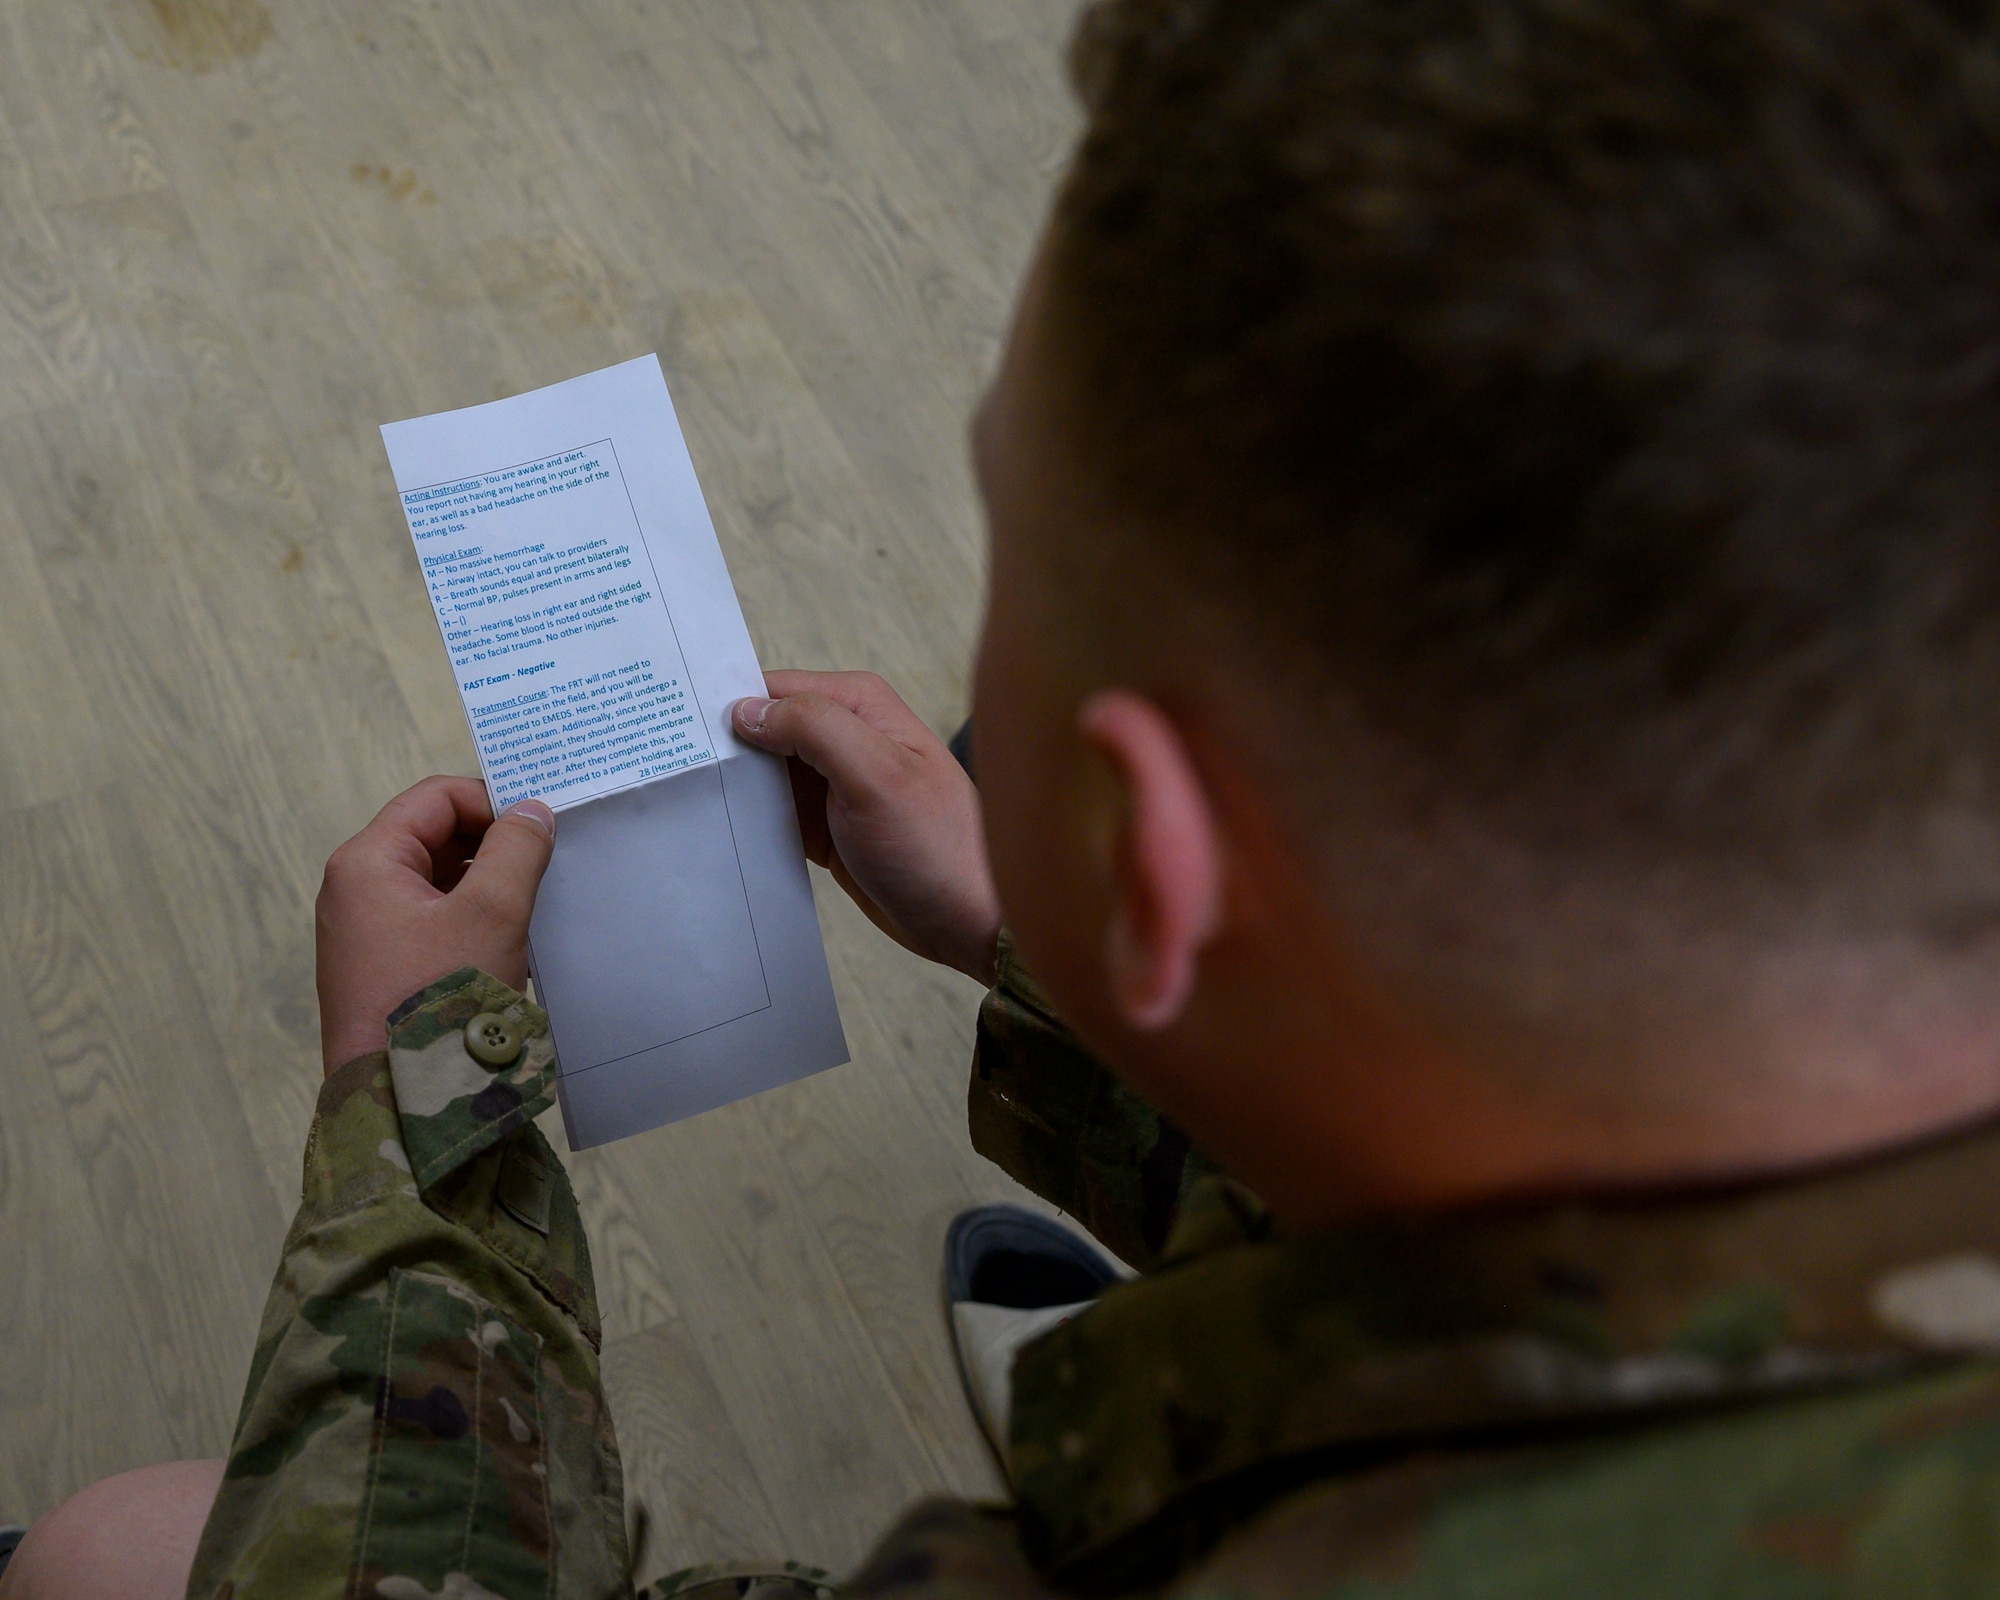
1592 408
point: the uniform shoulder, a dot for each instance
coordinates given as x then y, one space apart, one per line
1893 1488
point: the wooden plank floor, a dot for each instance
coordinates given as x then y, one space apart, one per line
235 236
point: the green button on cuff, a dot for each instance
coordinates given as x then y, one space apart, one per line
494 1040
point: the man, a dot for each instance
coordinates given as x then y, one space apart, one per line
1489 718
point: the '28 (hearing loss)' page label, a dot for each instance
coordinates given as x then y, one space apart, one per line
552 611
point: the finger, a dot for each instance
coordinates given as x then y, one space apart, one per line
403 835
870 908
855 758
504 875
869 697
809 801
450 859
428 814
500 882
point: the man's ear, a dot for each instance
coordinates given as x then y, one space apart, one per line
1166 870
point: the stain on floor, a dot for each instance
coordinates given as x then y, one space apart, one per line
396 185
194 35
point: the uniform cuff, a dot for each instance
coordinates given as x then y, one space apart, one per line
471 1060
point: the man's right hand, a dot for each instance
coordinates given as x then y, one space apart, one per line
436 882
885 808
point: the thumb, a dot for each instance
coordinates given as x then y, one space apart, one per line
508 869
854 758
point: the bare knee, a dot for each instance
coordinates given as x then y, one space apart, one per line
131 1537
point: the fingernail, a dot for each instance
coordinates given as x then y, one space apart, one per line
750 714
537 813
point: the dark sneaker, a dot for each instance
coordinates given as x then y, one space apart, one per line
1009 1277
743 1580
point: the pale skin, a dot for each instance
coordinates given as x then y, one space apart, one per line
1129 833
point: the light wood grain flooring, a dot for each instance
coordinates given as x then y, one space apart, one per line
235 236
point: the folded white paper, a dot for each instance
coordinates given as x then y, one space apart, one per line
597 646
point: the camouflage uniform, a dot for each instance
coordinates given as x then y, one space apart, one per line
1777 1390
423 1413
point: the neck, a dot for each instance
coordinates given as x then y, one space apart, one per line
1345 1105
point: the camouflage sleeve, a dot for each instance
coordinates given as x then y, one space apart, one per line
1043 1109
423 1414
940 1550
